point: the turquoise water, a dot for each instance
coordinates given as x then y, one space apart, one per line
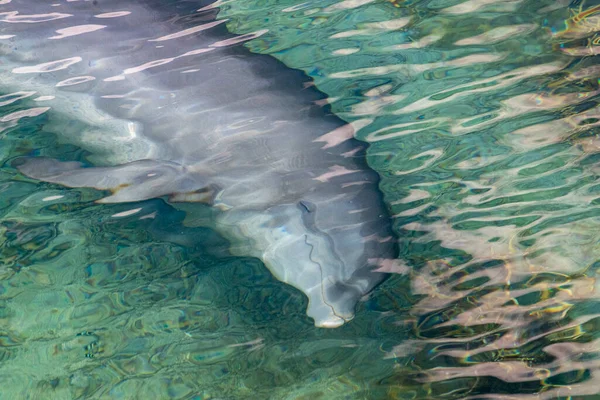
482 119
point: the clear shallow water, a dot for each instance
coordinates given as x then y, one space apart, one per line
481 119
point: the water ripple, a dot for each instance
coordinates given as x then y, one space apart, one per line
481 118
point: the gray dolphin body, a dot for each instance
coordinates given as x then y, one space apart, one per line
169 104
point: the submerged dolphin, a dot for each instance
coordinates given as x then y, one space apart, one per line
168 103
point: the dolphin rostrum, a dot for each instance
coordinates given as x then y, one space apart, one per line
169 103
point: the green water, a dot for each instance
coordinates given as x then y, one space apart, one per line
482 119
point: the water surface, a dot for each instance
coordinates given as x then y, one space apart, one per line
481 118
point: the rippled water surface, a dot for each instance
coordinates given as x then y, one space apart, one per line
481 118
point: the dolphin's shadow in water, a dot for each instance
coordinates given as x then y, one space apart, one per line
200 118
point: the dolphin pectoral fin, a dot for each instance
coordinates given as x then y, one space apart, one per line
136 181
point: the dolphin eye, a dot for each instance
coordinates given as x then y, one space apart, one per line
306 207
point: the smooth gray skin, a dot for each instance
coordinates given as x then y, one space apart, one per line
293 186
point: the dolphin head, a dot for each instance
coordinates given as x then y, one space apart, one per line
326 245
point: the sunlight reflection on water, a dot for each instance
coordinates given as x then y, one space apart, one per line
481 118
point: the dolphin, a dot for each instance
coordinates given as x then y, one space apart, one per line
168 103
